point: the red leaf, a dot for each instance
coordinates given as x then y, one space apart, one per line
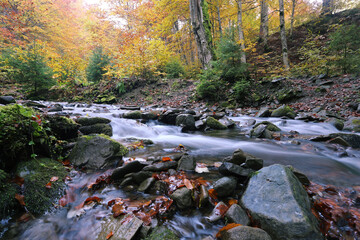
92 199
48 185
109 235
20 198
66 162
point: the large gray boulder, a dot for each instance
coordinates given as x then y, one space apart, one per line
96 152
276 199
244 233
186 121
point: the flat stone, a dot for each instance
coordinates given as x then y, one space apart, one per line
230 169
187 163
130 167
123 228
161 166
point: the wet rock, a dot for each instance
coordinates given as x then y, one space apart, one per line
40 230
353 124
238 157
200 124
303 179
35 104
62 127
159 187
130 108
99 128
276 199
214 124
182 198
254 163
225 186
352 139
187 163
186 121
215 215
139 177
337 123
263 112
133 115
162 233
261 131
236 214
149 116
340 141
230 169
204 196
284 111
7 100
244 233
146 184
96 152
269 126
126 182
161 166
120 172
84 121
227 122
124 227
169 116
56 108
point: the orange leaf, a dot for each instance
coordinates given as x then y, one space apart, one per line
54 179
24 218
213 193
232 201
92 199
66 162
48 185
166 159
109 235
18 180
227 227
188 184
20 198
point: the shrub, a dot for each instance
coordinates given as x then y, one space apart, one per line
174 69
345 42
209 89
241 90
97 63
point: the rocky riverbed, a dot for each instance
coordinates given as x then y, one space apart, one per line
202 173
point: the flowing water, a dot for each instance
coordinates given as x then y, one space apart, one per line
322 163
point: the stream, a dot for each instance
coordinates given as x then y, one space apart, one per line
322 163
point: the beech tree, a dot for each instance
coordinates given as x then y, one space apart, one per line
284 47
264 22
240 30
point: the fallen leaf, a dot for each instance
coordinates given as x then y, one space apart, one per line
227 227
109 235
213 193
54 179
20 199
166 159
18 180
48 185
188 184
232 202
24 218
66 162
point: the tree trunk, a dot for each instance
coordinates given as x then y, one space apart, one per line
292 17
264 23
283 35
327 7
240 30
197 21
219 19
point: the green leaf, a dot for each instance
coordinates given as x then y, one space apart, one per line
31 143
33 155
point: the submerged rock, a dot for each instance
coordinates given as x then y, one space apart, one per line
276 199
245 233
96 152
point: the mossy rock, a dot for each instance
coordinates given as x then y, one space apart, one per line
133 115
353 124
269 126
8 203
99 128
91 121
62 127
162 233
284 111
105 99
214 124
37 173
96 152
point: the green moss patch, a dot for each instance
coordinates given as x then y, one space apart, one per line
214 124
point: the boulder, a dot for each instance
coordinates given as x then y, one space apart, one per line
84 121
254 163
7 100
284 111
230 169
182 198
131 167
236 214
124 227
238 157
98 128
169 117
353 124
337 123
214 124
263 112
161 166
146 184
261 131
352 139
187 163
225 186
133 115
96 152
227 122
149 116
277 200
62 127
269 126
139 177
244 233
186 121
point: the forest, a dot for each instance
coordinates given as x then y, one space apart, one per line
180 119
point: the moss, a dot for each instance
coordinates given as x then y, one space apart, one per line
91 121
214 124
284 111
133 115
207 26
162 233
37 173
356 121
122 150
8 202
